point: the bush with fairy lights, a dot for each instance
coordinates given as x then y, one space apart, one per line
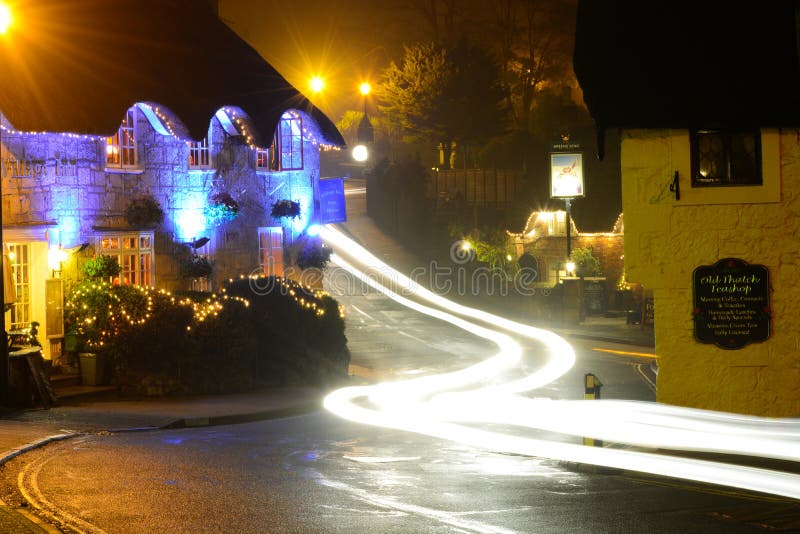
162 343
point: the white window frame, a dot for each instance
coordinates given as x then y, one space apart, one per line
200 154
121 149
270 250
134 252
262 159
20 259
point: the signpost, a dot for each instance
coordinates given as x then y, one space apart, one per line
731 303
566 177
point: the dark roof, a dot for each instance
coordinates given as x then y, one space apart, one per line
681 64
76 66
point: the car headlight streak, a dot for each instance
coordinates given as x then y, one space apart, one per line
441 405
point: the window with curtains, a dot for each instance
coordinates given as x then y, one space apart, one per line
121 147
134 253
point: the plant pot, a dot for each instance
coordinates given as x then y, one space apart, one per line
94 368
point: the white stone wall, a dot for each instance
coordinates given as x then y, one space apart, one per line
666 239
66 183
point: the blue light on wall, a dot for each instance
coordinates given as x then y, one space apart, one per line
190 219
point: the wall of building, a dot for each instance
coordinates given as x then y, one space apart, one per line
666 239
58 192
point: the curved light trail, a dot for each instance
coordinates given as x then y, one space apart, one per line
453 405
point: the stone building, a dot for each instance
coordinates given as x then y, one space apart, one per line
707 102
545 239
196 121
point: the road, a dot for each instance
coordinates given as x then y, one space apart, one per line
321 473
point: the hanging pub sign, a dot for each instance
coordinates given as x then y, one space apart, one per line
566 174
731 303
332 205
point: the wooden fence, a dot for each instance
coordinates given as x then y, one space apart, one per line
475 187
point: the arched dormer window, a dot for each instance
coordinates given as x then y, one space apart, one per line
121 147
287 146
199 154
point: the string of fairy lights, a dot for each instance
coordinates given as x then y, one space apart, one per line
238 119
117 316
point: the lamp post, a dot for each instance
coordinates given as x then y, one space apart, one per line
5 23
366 134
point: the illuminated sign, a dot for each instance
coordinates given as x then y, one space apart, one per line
332 206
731 303
566 175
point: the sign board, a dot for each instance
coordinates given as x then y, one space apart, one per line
566 174
731 303
332 206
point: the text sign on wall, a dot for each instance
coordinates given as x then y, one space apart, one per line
731 303
332 206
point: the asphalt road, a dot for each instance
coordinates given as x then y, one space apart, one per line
319 473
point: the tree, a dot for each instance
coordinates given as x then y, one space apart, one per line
444 95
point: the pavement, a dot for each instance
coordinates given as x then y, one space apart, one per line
24 430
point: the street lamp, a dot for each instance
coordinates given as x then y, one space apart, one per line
5 23
317 84
366 134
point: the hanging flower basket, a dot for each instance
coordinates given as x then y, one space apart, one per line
285 208
223 208
144 212
196 267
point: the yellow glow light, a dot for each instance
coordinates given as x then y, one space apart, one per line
5 18
317 84
365 88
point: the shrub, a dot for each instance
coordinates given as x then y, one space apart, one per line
101 267
585 262
144 212
199 343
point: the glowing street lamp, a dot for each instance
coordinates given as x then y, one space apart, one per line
5 18
366 133
317 84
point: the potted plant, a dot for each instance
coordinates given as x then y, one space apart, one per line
144 212
285 208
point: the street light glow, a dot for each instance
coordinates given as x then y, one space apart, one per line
365 88
360 153
317 84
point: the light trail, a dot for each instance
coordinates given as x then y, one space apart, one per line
439 405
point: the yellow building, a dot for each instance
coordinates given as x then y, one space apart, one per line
707 101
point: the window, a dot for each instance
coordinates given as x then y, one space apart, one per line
199 154
262 159
287 147
20 254
721 158
134 252
121 147
270 250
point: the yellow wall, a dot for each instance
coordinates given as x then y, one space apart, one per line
666 239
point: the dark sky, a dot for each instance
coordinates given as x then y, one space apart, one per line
344 41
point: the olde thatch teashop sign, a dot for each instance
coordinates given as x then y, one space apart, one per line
731 303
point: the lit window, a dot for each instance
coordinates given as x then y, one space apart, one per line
19 254
199 154
134 253
721 158
121 147
262 159
287 153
